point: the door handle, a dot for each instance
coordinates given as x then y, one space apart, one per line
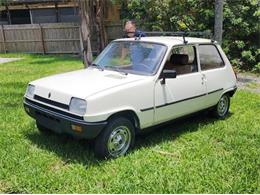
203 78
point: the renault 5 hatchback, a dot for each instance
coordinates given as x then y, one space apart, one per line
132 85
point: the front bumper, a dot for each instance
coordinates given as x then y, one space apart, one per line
62 122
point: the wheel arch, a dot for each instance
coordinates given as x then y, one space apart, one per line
129 114
230 92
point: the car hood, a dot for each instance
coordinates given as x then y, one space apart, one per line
81 84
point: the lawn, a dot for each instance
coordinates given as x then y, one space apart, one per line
195 155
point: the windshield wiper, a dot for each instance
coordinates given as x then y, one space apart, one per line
118 70
98 66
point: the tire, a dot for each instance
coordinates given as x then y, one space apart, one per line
222 108
116 139
43 129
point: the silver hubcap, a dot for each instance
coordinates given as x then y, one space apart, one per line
119 141
223 105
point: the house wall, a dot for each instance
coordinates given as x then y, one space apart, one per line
50 12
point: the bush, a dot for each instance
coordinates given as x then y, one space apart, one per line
240 25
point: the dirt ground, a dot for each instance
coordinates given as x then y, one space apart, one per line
249 82
5 60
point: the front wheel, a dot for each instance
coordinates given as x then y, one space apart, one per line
116 139
222 108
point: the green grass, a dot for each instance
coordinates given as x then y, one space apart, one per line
195 155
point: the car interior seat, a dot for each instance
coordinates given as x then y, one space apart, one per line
179 63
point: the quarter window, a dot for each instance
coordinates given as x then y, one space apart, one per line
183 60
209 57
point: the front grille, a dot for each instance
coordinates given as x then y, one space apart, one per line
53 109
53 103
47 116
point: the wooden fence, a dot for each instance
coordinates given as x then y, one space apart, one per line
48 38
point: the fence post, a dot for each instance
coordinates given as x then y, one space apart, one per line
42 39
81 50
3 35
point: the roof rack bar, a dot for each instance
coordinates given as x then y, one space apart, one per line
205 34
180 33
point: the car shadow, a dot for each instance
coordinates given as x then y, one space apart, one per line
72 150
42 60
174 129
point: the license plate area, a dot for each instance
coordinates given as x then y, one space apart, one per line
48 121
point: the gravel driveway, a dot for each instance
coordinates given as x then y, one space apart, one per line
249 82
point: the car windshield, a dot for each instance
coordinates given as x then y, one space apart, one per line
131 57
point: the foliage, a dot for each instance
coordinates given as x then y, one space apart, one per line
240 25
195 155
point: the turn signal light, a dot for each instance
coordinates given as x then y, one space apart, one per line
76 128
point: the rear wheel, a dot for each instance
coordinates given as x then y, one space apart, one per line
116 139
221 109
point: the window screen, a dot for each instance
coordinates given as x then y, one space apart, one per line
209 57
69 14
44 15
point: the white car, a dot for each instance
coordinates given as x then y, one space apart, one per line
134 84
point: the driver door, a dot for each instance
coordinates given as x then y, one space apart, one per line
184 94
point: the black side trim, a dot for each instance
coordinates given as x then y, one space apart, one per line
146 109
53 103
215 91
167 104
53 109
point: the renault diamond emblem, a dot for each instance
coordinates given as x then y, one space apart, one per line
49 95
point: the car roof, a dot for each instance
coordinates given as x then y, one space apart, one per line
168 40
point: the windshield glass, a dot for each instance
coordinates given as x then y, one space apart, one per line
132 57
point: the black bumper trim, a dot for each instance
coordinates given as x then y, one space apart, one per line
60 123
53 109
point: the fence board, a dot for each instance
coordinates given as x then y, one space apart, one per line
48 38
2 40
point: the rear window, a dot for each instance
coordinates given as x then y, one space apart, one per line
210 57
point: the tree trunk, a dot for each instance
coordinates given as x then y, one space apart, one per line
92 15
218 21
86 22
100 25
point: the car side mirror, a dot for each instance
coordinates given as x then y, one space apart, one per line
168 74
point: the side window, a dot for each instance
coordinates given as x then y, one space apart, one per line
183 60
209 57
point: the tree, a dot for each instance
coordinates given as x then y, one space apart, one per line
240 23
86 18
218 20
92 22
100 25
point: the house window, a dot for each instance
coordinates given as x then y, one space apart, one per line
3 17
20 16
68 14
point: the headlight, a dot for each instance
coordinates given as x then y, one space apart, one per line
30 91
78 106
